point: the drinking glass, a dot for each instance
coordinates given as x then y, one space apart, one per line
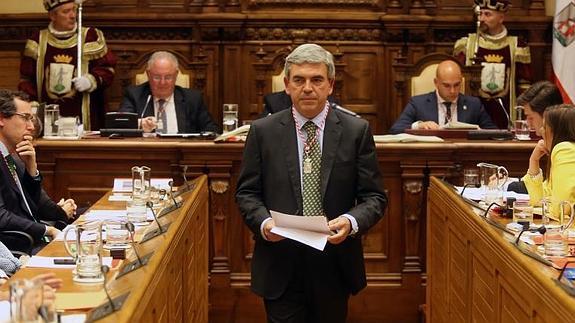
521 130
470 176
51 117
522 212
26 298
136 210
492 178
117 235
68 126
230 117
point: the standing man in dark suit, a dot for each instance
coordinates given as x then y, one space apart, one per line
23 203
436 109
310 160
162 105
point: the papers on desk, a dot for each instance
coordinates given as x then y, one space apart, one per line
309 230
477 194
406 137
113 215
48 262
460 125
79 301
125 184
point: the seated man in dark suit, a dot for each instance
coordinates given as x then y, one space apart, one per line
278 101
436 109
23 202
162 105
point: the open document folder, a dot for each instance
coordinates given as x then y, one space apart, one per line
309 230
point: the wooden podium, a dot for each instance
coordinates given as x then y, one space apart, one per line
476 274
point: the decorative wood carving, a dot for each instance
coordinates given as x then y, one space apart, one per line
299 35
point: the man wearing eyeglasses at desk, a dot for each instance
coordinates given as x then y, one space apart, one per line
164 107
23 202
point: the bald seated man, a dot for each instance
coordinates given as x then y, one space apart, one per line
446 104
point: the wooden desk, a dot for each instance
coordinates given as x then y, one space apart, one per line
475 274
173 286
394 249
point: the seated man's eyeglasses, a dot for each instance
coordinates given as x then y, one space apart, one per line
28 117
165 78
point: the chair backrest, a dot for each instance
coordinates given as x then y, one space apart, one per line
423 82
278 82
182 80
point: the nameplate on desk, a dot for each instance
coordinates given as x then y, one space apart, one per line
154 233
107 308
135 264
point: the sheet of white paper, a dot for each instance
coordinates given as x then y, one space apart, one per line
310 230
5 312
48 262
119 198
112 215
125 184
477 194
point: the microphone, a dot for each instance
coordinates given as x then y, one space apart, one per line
476 185
149 204
541 230
105 270
171 183
489 208
146 106
509 124
344 110
131 229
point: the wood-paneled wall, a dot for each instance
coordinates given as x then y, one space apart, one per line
240 43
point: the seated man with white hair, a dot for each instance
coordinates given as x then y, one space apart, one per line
164 107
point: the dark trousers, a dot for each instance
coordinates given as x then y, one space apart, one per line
315 293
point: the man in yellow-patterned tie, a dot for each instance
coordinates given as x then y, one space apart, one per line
506 60
309 160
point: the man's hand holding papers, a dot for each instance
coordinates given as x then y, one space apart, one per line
310 230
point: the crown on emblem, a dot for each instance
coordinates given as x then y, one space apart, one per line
51 4
497 5
63 59
492 58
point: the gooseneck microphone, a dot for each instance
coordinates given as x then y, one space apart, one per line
150 205
171 183
541 230
476 185
509 124
146 106
336 106
105 270
131 229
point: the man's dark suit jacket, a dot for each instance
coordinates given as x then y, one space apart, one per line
278 101
270 180
191 111
424 108
13 212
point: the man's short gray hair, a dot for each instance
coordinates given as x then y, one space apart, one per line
310 54
162 55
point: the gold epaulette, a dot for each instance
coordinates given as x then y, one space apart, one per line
460 46
96 49
523 55
31 49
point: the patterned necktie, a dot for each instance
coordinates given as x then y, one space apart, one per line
447 112
311 164
12 168
163 127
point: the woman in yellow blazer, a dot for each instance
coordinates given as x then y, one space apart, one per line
558 133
